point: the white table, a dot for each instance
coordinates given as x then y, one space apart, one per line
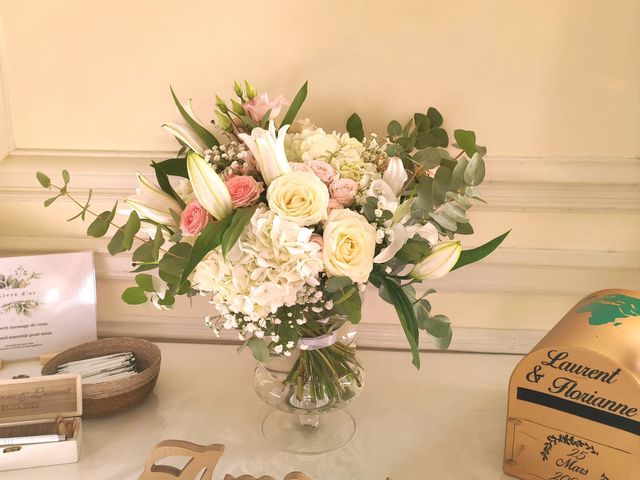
444 422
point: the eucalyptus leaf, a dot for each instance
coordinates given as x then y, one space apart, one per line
66 177
434 117
474 173
144 253
335 284
145 282
354 127
49 201
441 185
466 140
445 222
428 158
158 241
394 129
44 180
131 228
422 122
134 296
425 192
115 244
100 226
259 349
173 263
351 307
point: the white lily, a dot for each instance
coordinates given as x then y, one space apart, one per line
395 175
268 150
186 135
153 203
428 231
385 194
208 187
439 262
398 236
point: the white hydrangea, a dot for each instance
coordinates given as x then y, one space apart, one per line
271 263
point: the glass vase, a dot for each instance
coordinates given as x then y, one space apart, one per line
309 391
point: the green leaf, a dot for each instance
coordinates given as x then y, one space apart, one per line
350 304
174 166
444 221
49 201
475 254
457 177
44 180
209 238
474 173
297 102
134 296
454 212
335 284
206 136
115 244
100 225
464 229
165 185
168 300
425 192
173 263
354 127
394 129
428 158
441 185
434 117
422 122
258 348
158 241
407 128
66 177
241 217
406 315
407 143
144 253
466 140
130 229
145 282
145 267
414 250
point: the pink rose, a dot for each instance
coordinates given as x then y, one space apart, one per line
344 191
300 167
323 171
259 105
194 218
244 190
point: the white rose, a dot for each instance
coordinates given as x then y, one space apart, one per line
349 244
299 197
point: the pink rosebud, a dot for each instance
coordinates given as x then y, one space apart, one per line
300 167
244 190
194 218
334 205
344 191
323 171
316 238
259 105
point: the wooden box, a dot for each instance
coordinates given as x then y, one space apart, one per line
574 400
40 406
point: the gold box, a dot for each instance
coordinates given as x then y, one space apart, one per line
574 400
40 406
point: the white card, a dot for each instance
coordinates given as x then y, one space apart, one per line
47 304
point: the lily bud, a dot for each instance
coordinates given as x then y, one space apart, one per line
187 136
439 262
268 150
152 203
208 187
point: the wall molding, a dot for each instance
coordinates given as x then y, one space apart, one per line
370 335
513 184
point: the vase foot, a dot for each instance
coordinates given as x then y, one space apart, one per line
297 434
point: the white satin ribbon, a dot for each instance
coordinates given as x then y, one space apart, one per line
326 340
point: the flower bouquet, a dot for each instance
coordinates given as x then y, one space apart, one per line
282 225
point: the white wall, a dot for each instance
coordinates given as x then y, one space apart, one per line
551 87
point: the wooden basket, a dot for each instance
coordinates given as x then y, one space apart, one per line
110 397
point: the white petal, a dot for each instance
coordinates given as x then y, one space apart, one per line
398 238
187 136
395 175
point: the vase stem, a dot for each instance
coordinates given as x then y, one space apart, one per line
309 421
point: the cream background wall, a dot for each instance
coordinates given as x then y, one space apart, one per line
551 87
